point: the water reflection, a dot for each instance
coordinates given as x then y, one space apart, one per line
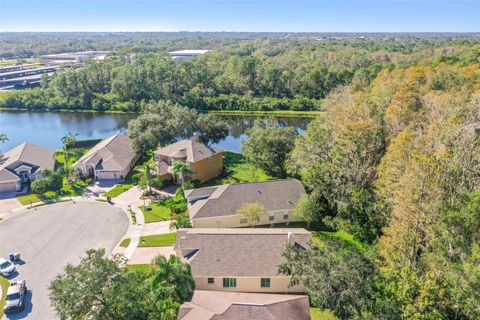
47 128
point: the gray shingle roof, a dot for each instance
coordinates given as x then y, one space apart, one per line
114 153
227 199
188 149
219 305
37 157
255 252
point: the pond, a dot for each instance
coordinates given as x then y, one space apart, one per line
47 128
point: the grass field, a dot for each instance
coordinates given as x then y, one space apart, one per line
237 169
158 213
4 284
318 314
158 240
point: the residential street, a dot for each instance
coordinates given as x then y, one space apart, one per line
51 236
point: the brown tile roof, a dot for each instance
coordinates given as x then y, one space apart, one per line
188 149
255 252
114 153
37 157
216 305
225 200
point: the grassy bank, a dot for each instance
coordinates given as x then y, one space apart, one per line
276 113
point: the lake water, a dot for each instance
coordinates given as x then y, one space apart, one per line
47 128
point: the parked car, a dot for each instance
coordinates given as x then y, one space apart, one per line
15 295
6 267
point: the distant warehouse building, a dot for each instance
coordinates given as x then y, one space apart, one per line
186 54
72 57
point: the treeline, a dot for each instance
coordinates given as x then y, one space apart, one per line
396 164
261 75
16 45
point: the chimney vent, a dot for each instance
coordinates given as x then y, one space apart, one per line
196 137
291 238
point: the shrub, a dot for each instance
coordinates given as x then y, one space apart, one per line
40 185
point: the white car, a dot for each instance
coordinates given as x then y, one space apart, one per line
6 267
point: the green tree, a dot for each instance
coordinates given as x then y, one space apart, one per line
211 128
99 288
171 278
179 170
181 221
335 275
268 148
69 141
252 212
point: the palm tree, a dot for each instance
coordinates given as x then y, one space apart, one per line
172 278
68 140
180 169
3 138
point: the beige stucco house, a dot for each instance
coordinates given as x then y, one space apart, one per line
220 305
216 207
23 164
112 158
205 162
239 259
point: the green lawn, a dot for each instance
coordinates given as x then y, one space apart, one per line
125 243
159 212
74 189
144 268
4 284
237 169
159 240
318 314
118 189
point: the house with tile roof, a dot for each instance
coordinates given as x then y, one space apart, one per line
112 158
239 259
204 161
23 164
217 206
220 305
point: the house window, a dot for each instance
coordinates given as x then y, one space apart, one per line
285 216
271 217
211 281
229 282
243 221
265 282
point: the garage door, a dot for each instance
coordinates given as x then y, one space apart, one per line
8 186
108 175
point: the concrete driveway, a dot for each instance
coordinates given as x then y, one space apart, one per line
51 236
8 202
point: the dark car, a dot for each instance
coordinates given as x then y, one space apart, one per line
15 294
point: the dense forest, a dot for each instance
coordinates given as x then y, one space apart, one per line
258 74
397 165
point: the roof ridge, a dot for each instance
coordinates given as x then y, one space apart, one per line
23 149
266 181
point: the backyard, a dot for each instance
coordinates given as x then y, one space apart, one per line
237 169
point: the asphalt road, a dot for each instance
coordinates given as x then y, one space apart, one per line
51 236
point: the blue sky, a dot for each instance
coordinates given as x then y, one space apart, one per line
241 15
